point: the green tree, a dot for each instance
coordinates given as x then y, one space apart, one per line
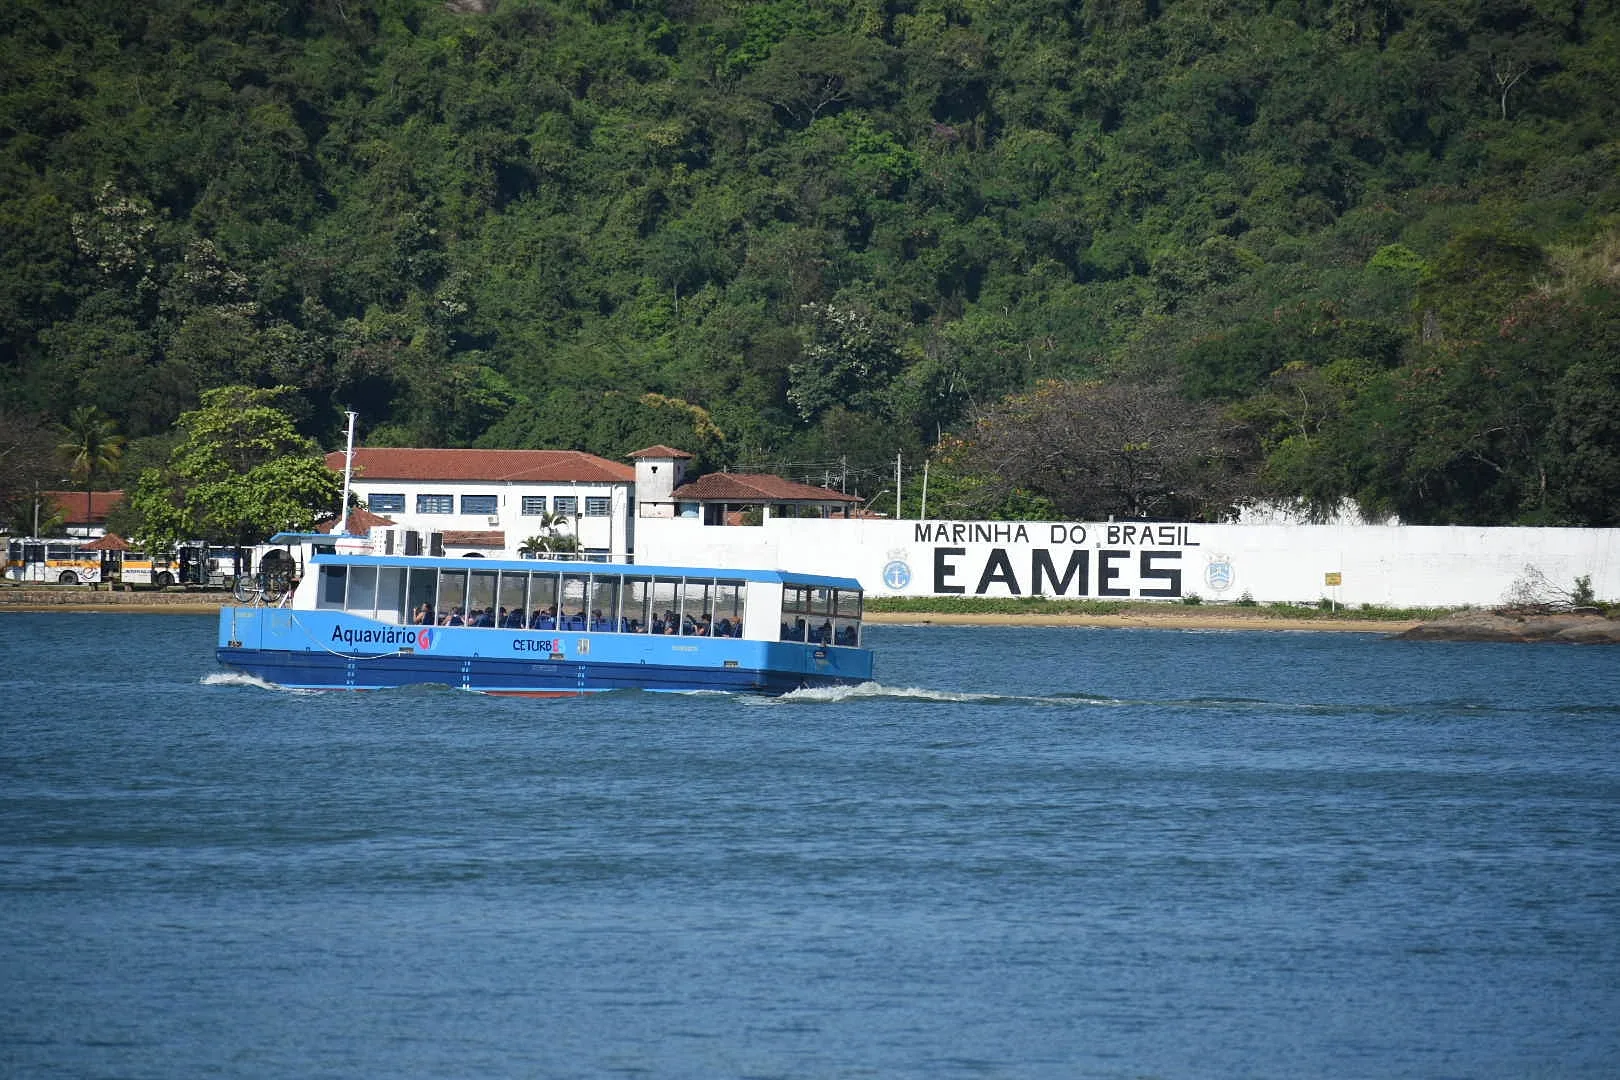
1098 450
27 454
553 537
92 447
240 473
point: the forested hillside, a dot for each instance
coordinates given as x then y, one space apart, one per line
1137 257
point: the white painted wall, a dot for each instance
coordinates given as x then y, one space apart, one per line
606 532
1383 565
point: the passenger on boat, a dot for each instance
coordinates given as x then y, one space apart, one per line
454 618
543 619
512 620
723 627
422 616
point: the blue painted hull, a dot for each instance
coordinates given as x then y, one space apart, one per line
335 651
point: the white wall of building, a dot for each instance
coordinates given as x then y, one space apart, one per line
604 532
1381 565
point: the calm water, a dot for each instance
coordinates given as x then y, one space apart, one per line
1031 853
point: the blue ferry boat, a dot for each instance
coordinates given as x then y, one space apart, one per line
545 628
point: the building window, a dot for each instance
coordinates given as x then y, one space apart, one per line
386 504
598 506
480 504
534 505
566 504
435 504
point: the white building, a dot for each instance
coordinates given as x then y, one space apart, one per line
489 502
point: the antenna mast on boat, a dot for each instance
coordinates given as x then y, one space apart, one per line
348 474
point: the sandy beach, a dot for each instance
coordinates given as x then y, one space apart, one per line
1177 618
1173 617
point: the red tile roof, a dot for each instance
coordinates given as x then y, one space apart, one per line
107 542
517 466
755 488
361 520
492 538
71 505
661 451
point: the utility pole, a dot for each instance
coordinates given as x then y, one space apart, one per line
348 473
897 457
923 514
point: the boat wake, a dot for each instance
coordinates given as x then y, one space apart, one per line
876 690
239 678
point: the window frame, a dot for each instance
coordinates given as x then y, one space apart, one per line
426 503
386 502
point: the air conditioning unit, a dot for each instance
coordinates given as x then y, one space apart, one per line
494 519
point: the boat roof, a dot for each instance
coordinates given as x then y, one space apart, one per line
585 567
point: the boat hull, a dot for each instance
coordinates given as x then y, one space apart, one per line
335 651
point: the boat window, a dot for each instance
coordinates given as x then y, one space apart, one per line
515 599
635 611
362 594
795 608
604 603
697 616
481 609
666 606
728 608
571 608
452 597
334 580
847 617
421 593
391 593
543 601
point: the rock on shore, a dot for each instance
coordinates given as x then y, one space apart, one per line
1575 627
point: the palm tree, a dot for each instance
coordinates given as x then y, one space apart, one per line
553 540
92 446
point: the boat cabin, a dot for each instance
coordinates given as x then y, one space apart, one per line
587 597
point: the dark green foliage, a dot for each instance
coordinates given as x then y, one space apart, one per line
1380 235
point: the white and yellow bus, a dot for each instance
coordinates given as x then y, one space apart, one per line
156 569
54 560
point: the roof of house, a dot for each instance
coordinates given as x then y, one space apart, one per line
475 538
107 542
70 504
756 488
505 466
361 520
661 451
